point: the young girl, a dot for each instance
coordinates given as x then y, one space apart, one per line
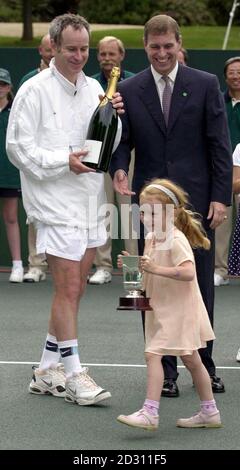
179 323
10 187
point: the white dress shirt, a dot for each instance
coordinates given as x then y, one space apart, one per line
160 83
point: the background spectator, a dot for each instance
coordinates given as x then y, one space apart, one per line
111 53
182 56
9 181
232 103
37 263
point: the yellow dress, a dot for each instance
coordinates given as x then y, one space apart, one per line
179 323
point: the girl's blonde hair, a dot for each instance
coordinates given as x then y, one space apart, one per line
187 221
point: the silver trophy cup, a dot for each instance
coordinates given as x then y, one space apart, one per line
133 284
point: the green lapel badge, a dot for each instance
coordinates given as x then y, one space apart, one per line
184 93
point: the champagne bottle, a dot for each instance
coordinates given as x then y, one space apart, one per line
102 129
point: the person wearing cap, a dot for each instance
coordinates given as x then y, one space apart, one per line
10 187
37 263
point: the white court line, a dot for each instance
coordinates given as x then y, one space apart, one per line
111 365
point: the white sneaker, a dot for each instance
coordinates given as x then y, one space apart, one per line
220 281
48 382
101 276
16 275
34 275
238 356
81 389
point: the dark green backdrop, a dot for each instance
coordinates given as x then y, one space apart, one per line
20 61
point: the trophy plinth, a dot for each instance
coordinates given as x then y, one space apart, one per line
132 282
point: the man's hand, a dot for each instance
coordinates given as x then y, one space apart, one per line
117 102
217 213
75 164
120 183
119 259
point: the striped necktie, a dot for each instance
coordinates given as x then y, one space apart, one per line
166 98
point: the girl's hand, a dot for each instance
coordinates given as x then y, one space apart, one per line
146 264
119 259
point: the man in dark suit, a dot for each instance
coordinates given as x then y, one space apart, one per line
190 146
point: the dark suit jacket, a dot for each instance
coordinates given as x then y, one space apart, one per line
194 151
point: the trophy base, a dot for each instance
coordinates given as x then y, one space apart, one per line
134 303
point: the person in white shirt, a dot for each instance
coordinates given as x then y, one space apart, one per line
45 140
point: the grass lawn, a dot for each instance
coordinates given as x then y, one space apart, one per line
194 37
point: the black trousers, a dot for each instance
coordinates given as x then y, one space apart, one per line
205 261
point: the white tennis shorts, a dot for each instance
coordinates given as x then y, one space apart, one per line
67 241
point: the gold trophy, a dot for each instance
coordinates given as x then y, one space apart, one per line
132 282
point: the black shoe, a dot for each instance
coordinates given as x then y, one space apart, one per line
217 384
170 388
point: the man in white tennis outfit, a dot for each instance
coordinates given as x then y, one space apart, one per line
47 130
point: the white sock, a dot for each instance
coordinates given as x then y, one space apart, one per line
17 263
70 356
51 353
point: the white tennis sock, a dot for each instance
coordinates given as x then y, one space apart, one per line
51 353
70 356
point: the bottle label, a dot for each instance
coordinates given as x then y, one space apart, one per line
94 149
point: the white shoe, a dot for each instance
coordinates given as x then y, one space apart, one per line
16 275
34 275
201 420
49 382
140 419
220 281
238 356
101 276
81 389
